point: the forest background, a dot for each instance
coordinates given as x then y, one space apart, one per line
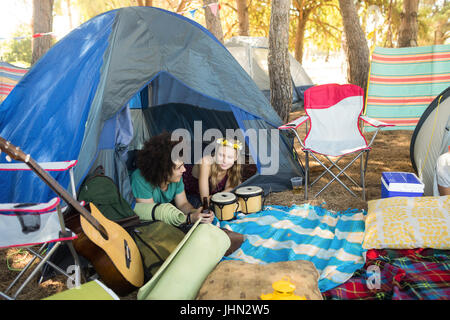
332 39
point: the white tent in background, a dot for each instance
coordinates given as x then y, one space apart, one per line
252 52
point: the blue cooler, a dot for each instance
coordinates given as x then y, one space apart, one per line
400 184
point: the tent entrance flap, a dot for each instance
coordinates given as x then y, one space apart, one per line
201 126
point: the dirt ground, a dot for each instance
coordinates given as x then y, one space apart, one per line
390 153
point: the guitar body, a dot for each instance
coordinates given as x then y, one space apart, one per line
120 268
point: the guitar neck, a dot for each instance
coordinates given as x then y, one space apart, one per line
60 191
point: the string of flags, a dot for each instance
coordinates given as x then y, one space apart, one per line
36 35
214 7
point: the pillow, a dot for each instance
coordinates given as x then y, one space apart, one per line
408 223
238 280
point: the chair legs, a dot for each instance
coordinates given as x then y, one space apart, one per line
44 259
363 182
363 167
363 164
306 174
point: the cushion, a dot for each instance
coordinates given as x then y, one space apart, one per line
238 280
408 223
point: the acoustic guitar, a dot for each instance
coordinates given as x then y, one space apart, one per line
110 248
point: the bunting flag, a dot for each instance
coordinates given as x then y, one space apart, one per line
214 7
36 35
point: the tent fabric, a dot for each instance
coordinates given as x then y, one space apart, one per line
10 75
45 114
430 139
252 53
404 81
62 108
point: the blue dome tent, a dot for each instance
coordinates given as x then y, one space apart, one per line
122 77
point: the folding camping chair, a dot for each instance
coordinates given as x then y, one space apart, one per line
334 112
29 225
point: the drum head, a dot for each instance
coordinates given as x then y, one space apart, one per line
249 191
223 198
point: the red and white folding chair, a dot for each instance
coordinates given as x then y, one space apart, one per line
334 112
29 225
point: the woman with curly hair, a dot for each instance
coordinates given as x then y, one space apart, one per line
218 173
158 179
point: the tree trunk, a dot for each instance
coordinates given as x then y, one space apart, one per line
439 34
181 6
146 3
356 45
213 21
69 14
242 11
300 31
42 23
388 41
407 35
300 34
278 59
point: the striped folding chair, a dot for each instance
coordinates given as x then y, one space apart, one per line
38 228
334 112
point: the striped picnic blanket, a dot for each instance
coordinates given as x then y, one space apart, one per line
417 274
404 81
331 241
9 76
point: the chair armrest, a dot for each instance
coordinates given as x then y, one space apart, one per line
375 123
47 166
294 124
30 207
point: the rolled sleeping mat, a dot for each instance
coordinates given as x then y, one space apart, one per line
165 212
184 271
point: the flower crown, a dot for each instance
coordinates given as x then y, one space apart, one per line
236 144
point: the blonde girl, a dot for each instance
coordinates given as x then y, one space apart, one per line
217 173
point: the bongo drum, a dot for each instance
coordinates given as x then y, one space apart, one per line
250 199
225 205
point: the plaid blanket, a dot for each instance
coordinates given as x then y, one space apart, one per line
419 274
